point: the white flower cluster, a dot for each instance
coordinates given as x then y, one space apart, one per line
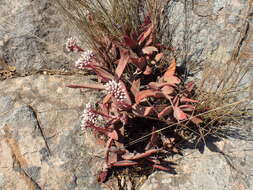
85 59
116 90
88 117
71 44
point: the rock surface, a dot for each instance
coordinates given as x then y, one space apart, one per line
41 146
212 30
212 171
32 36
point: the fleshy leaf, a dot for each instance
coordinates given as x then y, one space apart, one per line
184 99
161 167
139 62
105 75
107 98
148 111
113 135
149 50
149 40
147 93
122 63
158 85
187 107
165 112
145 34
196 120
170 71
168 90
130 42
148 70
104 109
124 163
135 88
158 57
179 114
172 80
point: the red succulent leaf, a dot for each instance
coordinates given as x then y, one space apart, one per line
130 42
156 85
179 114
187 107
158 57
105 75
159 108
139 62
184 99
113 135
149 50
104 109
149 40
97 86
170 71
137 156
148 70
119 105
172 80
196 120
108 145
147 93
122 63
124 163
145 34
135 88
168 90
176 100
190 86
165 111
160 167
148 111
102 176
154 161
107 98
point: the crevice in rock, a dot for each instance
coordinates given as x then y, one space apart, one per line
243 34
40 129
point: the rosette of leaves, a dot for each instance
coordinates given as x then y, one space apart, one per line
141 98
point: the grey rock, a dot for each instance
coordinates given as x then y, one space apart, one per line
33 35
203 30
215 171
33 172
2 180
6 103
41 129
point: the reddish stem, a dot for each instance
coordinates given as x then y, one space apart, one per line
79 48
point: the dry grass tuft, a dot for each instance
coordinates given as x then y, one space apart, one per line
100 21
